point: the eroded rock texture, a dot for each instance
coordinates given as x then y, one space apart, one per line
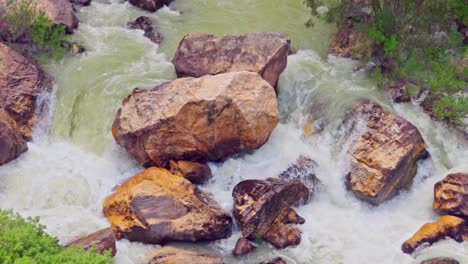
451 195
172 255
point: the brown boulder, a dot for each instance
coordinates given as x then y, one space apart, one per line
446 226
150 5
21 83
384 158
243 247
204 119
440 261
155 206
172 255
283 236
451 195
293 218
151 31
264 53
277 260
12 143
196 173
104 240
259 205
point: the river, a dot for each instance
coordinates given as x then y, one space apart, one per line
73 162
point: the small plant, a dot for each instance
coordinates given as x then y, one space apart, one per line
451 109
24 241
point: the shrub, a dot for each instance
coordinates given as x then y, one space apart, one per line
24 241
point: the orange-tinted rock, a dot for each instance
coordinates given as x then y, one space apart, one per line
204 119
277 260
440 261
196 173
104 240
243 247
283 236
451 195
293 218
156 206
446 226
384 158
262 204
150 5
12 143
21 83
200 54
172 255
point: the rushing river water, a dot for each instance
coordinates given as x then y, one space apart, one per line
73 162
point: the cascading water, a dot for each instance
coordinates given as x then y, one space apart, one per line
66 173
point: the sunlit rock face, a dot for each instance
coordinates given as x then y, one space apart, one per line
384 158
156 206
172 255
451 195
197 119
264 53
103 240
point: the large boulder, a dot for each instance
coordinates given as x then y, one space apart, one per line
172 255
12 143
155 206
150 5
260 205
384 158
197 119
446 226
59 12
103 239
264 53
451 195
21 83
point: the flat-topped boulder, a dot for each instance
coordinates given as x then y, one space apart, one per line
199 54
197 119
156 206
21 84
451 195
260 205
384 158
173 255
150 5
12 143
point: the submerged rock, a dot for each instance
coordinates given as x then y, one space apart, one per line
440 261
243 247
264 53
150 5
446 226
303 169
277 260
12 143
451 195
172 255
196 173
156 206
21 84
144 23
384 158
259 205
197 119
104 240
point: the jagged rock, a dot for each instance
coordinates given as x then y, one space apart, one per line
451 195
196 173
21 83
283 236
293 218
81 2
150 5
259 205
12 143
104 240
440 261
243 247
303 169
156 206
264 53
152 32
446 226
172 255
197 119
384 158
277 260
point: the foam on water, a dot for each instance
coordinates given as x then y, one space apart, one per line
67 173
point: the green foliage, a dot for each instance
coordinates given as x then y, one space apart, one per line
24 241
27 23
451 109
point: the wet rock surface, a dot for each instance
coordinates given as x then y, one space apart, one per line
150 5
283 236
303 169
277 260
451 195
104 240
12 143
151 29
264 53
196 173
440 261
172 255
243 247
